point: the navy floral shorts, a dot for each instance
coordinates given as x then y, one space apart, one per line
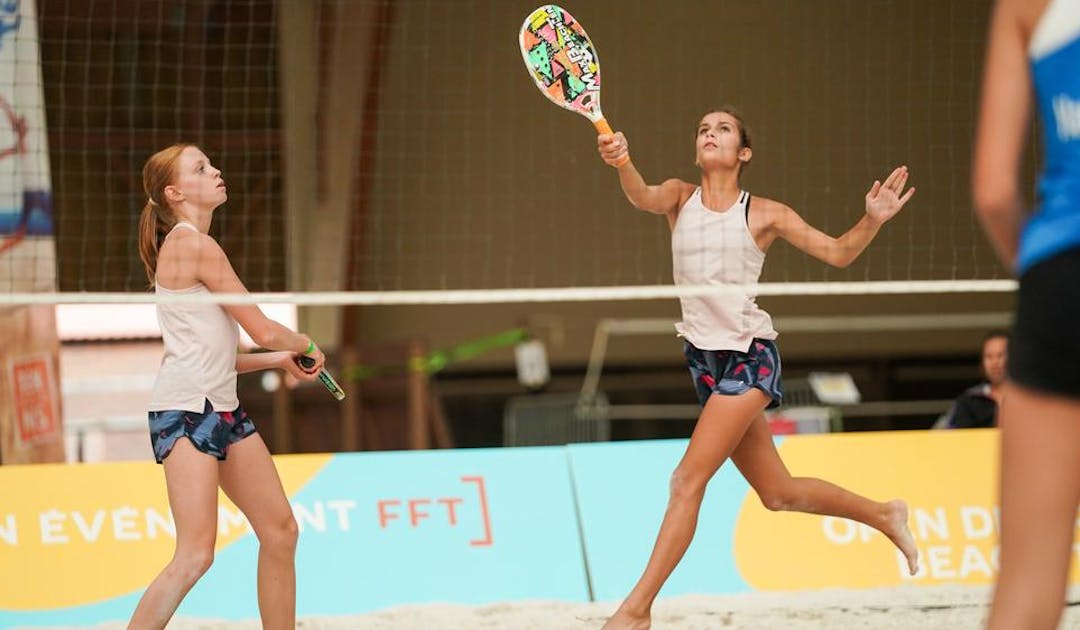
210 431
730 372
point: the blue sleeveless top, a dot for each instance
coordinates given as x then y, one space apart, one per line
1054 51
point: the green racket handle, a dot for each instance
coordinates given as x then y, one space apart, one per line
324 376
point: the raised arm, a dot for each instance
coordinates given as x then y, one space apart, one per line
664 198
883 201
1004 116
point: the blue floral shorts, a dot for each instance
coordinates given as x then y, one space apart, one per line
730 372
210 431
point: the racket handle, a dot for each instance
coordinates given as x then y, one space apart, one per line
603 128
324 376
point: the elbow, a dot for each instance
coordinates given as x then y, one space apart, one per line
641 200
994 199
637 202
996 208
841 255
842 262
647 205
264 337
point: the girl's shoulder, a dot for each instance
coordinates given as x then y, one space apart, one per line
685 190
765 205
186 242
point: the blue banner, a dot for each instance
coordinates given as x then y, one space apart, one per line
622 490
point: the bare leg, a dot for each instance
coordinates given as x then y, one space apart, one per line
250 479
759 462
719 429
1040 490
192 480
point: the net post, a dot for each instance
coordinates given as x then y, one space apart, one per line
417 397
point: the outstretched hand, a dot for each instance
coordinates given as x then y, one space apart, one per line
613 148
885 200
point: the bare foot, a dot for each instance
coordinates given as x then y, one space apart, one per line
623 620
896 528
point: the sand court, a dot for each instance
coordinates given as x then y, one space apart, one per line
901 608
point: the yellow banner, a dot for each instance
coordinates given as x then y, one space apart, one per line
949 480
80 534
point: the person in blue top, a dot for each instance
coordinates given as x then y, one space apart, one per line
1033 59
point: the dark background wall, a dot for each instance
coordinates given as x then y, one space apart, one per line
470 179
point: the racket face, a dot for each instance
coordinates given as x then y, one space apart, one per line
561 60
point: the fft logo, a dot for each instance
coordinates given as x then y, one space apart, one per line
416 512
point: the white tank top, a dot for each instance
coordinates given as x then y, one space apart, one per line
200 353
716 248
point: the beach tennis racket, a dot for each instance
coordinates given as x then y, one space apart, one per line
324 376
563 63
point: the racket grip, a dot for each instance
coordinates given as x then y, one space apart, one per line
603 128
324 376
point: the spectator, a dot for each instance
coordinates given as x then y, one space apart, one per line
977 406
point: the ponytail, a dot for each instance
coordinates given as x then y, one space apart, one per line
157 219
154 224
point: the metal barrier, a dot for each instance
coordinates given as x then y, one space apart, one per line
556 419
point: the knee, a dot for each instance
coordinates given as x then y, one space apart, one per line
774 501
281 536
776 498
191 564
686 485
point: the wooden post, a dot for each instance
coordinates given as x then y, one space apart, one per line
419 437
440 427
31 426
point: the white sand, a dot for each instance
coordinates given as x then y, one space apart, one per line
905 608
